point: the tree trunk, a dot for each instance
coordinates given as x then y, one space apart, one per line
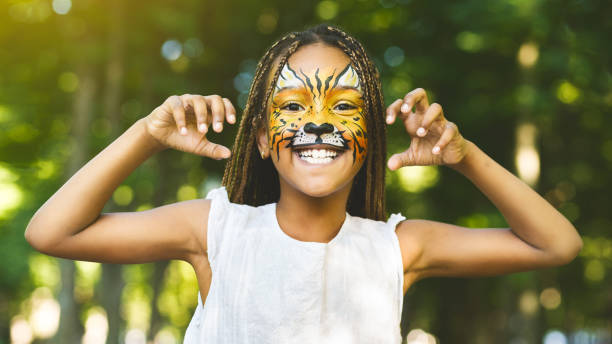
70 329
112 282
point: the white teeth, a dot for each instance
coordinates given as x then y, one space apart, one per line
317 160
318 156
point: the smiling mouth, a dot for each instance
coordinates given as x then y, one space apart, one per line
318 154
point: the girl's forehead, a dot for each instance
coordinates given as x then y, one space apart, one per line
318 56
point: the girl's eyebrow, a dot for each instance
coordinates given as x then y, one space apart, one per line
279 90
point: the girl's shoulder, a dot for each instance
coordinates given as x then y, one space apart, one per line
222 207
387 226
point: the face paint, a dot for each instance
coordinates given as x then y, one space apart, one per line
325 107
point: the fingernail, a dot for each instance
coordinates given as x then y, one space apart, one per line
203 127
421 131
217 126
388 119
232 118
405 108
436 150
183 131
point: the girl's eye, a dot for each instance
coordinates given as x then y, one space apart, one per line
292 107
344 107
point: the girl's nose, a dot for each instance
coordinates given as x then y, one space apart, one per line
318 129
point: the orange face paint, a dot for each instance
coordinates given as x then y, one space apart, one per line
320 108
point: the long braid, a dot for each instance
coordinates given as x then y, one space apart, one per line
375 170
251 180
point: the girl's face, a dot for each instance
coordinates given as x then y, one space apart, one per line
317 133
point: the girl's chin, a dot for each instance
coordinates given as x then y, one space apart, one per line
320 186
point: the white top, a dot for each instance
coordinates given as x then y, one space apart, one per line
268 287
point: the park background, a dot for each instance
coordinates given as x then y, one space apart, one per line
528 81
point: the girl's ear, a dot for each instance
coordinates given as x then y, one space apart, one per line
262 142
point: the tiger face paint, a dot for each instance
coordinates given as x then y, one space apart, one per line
319 114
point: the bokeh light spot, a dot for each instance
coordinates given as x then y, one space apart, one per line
123 195
394 56
23 132
68 82
528 54
417 178
186 192
327 10
267 20
567 92
550 298
171 49
418 336
476 220
528 302
96 326
5 114
145 206
11 195
470 41
34 11
45 169
21 332
62 6
554 337
135 336
527 158
242 82
45 314
44 271
594 270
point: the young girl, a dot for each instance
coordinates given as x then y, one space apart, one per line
294 248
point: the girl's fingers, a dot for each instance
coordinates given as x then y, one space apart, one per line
416 98
215 151
218 112
399 160
393 110
450 130
178 112
433 113
230 111
201 111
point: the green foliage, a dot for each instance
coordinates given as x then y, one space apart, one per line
492 65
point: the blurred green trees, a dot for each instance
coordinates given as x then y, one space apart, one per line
527 81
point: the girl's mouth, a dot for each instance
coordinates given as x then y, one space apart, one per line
318 156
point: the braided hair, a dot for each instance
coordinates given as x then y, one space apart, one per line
254 181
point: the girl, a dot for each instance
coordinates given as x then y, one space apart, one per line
294 248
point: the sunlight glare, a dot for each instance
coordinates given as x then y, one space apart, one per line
45 314
527 158
418 336
96 326
21 333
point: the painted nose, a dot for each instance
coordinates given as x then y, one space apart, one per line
318 129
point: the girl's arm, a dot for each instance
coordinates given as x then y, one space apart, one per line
539 236
69 224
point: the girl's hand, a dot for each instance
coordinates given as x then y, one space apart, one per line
434 140
182 122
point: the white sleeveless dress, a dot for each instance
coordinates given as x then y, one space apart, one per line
268 287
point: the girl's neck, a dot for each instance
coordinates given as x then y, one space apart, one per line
308 218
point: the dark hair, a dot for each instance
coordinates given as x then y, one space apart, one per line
254 181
